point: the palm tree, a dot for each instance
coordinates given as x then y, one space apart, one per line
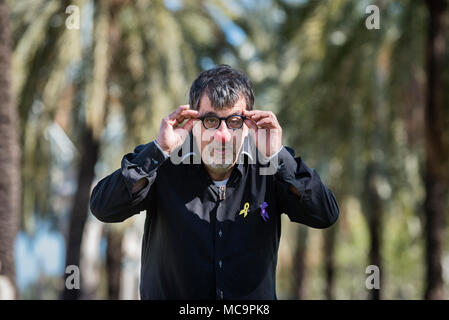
348 84
437 150
9 161
160 52
91 89
364 97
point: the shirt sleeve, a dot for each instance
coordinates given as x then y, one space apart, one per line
316 205
112 199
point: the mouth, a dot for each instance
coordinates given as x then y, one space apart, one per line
218 156
220 151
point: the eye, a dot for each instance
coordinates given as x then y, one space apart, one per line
235 122
211 122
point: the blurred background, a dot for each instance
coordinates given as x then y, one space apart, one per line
82 82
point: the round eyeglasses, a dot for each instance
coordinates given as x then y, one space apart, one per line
214 122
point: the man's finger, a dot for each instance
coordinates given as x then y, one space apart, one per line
251 112
254 112
189 125
258 114
256 117
174 113
251 125
185 114
267 123
178 111
190 113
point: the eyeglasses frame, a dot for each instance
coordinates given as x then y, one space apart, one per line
225 119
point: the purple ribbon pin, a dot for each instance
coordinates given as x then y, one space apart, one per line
263 212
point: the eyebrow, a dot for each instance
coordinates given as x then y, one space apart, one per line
210 113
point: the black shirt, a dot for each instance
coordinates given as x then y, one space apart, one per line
201 242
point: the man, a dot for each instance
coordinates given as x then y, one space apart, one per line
214 208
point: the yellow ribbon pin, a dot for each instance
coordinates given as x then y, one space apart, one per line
244 210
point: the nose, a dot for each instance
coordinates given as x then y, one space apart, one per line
222 135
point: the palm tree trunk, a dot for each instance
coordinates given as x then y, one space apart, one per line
299 264
9 162
371 199
373 209
114 254
80 209
436 151
99 59
329 260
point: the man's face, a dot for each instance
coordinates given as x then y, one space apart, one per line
220 147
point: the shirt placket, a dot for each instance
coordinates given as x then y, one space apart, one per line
219 237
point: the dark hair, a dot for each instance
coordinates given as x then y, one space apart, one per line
223 85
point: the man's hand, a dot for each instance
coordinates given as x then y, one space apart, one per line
267 121
171 135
